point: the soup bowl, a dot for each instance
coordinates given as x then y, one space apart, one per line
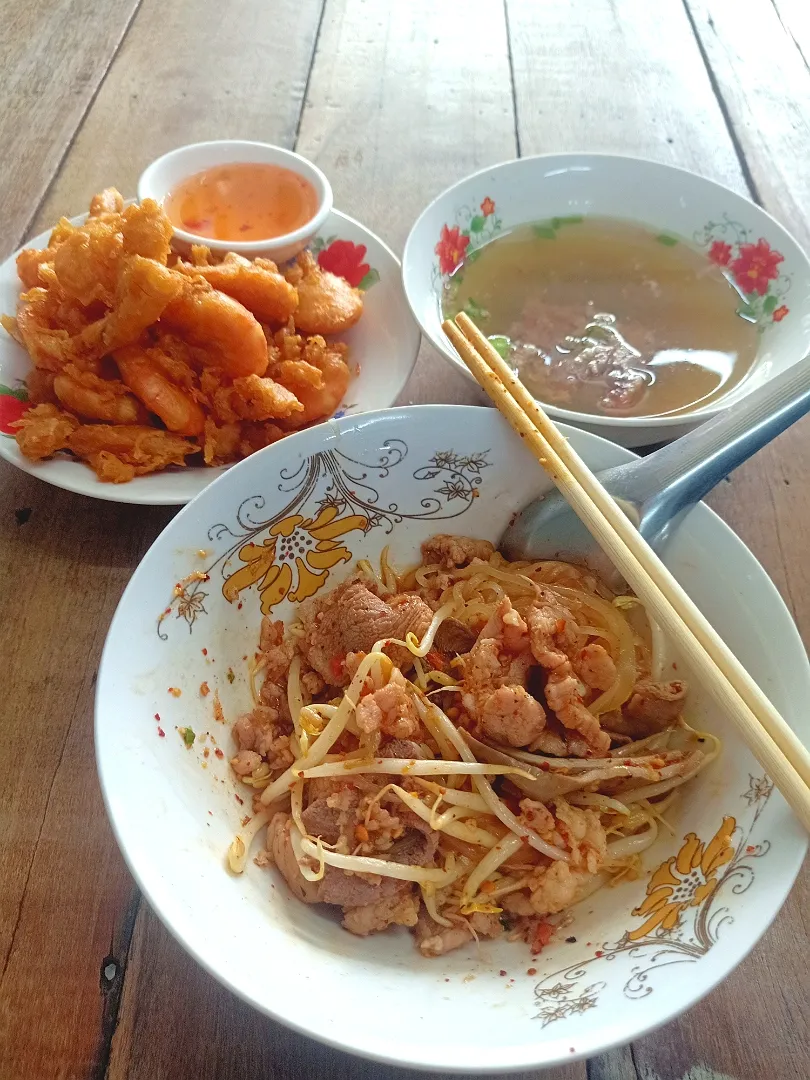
768 266
632 957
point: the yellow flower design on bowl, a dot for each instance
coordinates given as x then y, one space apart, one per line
294 561
685 880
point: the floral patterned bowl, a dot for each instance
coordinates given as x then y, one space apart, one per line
383 344
556 190
291 521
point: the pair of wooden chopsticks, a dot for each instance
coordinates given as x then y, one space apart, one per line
765 732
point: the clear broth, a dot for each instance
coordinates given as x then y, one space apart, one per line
606 317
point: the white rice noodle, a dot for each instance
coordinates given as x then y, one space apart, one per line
633 845
240 845
484 788
429 898
601 802
328 737
402 767
363 864
470 833
506 847
411 642
295 699
457 798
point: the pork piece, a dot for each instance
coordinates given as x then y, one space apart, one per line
654 706
436 940
402 748
351 619
494 685
454 637
390 710
336 886
402 909
261 732
455 551
595 667
553 641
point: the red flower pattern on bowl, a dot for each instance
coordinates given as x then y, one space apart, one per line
451 248
720 253
345 259
487 207
756 266
13 406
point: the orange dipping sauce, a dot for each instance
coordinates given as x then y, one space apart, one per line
242 201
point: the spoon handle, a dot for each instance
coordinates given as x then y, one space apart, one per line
679 475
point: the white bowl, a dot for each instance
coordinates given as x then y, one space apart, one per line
666 199
384 344
411 473
163 175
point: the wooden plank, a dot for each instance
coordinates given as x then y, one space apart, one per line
404 100
641 86
52 59
619 78
220 1037
65 903
189 72
66 561
764 81
755 1024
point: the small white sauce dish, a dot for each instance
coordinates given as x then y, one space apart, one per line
164 174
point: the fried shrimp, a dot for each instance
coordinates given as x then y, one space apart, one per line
147 231
108 201
43 431
327 304
257 285
93 398
178 411
318 401
128 337
224 328
119 452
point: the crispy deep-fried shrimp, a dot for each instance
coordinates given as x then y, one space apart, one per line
48 347
43 430
143 290
221 442
257 285
229 333
86 262
327 304
255 398
28 263
256 436
147 231
177 409
108 201
97 399
9 324
146 449
39 385
318 402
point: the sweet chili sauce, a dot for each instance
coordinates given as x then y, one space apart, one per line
242 201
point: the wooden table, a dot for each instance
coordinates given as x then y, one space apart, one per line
394 99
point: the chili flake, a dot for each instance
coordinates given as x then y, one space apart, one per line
230 675
161 733
206 752
175 691
240 800
205 689
219 714
531 971
218 753
205 652
157 717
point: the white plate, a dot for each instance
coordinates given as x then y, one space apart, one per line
384 343
411 473
553 188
